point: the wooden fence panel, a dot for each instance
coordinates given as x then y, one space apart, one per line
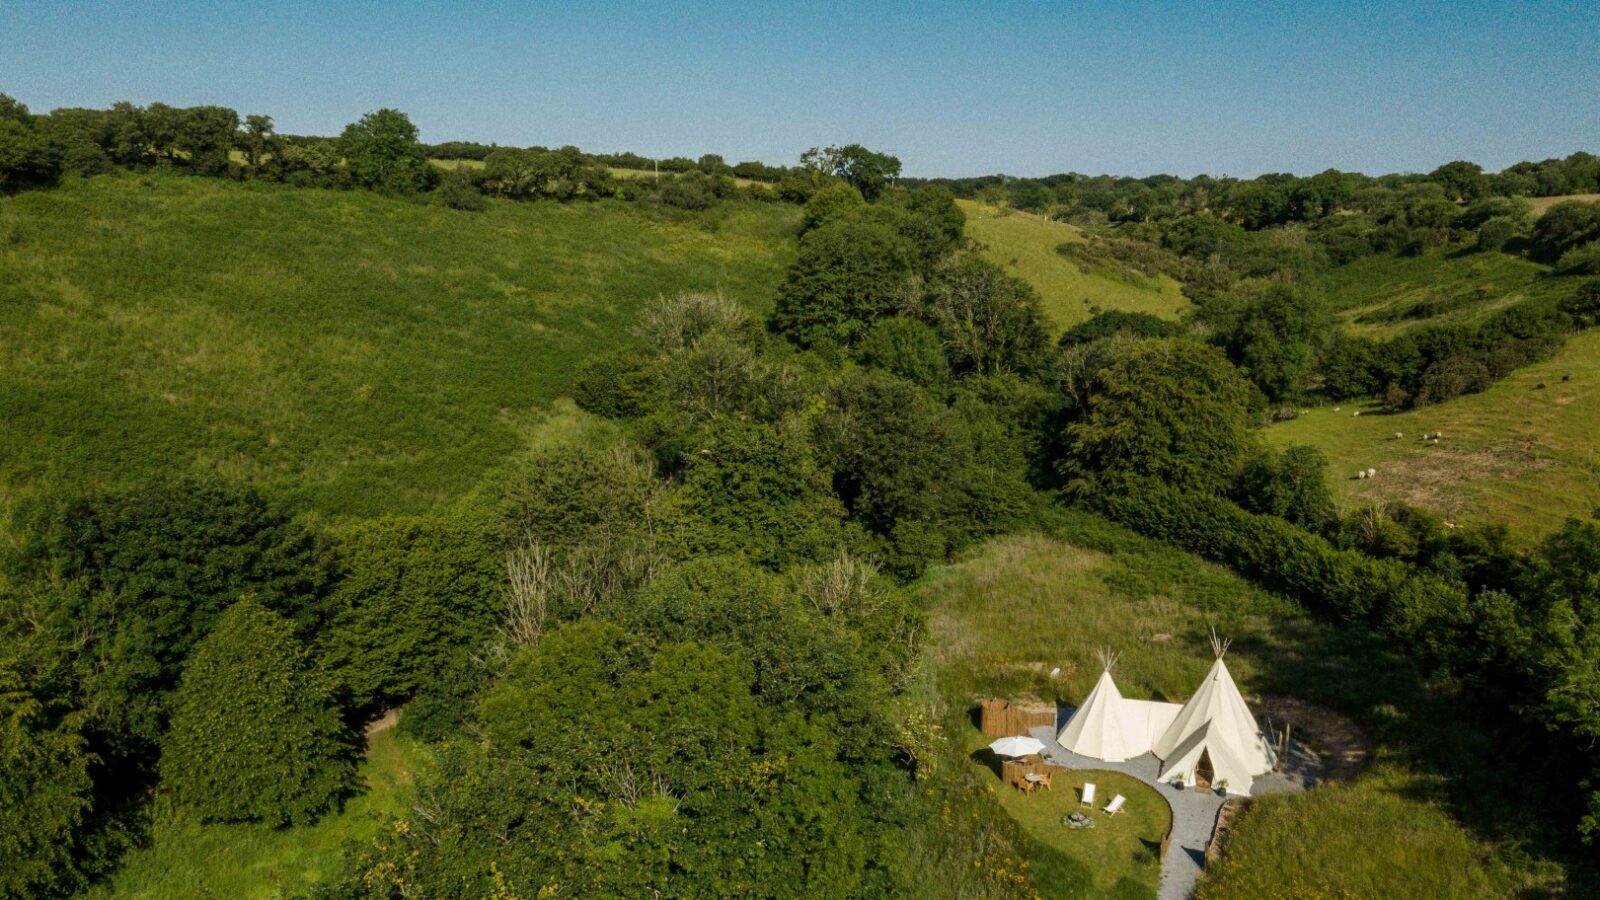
1000 718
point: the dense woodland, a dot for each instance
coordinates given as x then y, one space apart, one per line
679 664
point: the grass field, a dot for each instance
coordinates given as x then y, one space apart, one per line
1516 453
249 862
356 353
1017 607
1386 294
1025 245
1541 205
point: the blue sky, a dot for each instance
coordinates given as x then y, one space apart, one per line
951 88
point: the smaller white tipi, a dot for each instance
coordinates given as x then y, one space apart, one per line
1215 735
1096 727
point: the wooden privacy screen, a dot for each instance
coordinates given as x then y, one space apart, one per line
1001 718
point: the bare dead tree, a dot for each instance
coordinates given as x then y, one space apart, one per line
528 595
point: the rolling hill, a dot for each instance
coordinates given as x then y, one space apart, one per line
357 353
1072 291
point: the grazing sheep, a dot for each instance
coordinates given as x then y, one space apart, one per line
1435 440
1398 435
1356 413
1361 474
1336 409
1372 473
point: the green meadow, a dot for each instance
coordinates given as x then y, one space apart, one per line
352 352
1522 452
1014 609
1072 291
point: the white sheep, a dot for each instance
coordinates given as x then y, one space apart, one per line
1336 409
1361 474
1398 435
1356 413
1372 473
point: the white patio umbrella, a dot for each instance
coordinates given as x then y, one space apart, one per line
1019 745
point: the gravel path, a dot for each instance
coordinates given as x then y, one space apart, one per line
1194 813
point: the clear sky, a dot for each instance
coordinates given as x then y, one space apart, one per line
952 88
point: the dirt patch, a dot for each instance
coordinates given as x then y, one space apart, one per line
1336 743
1432 479
382 723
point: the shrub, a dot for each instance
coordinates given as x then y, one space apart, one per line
458 189
906 348
1584 260
255 737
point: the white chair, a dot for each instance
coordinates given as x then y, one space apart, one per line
1088 794
1115 806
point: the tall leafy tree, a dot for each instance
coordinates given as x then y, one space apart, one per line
44 793
1170 409
255 736
850 273
382 151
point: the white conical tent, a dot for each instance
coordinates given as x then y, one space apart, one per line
1215 722
1095 729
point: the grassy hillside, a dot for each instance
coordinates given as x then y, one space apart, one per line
1541 205
1020 606
1025 245
1386 294
360 353
1516 452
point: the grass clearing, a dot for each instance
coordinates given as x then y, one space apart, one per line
1541 205
184 859
1019 606
351 352
1517 453
1025 246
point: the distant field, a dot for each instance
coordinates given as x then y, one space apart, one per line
1517 453
358 353
448 164
1020 606
1543 204
1026 244
1386 294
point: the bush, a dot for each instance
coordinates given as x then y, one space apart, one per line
1114 322
458 189
906 348
255 737
1584 260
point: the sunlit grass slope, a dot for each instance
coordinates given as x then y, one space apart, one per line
253 862
1386 294
1018 607
360 353
1025 245
1518 453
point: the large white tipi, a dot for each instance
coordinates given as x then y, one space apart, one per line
1215 731
1212 736
1095 729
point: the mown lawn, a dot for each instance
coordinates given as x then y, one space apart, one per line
1025 245
1516 453
355 353
184 859
1118 857
1020 606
